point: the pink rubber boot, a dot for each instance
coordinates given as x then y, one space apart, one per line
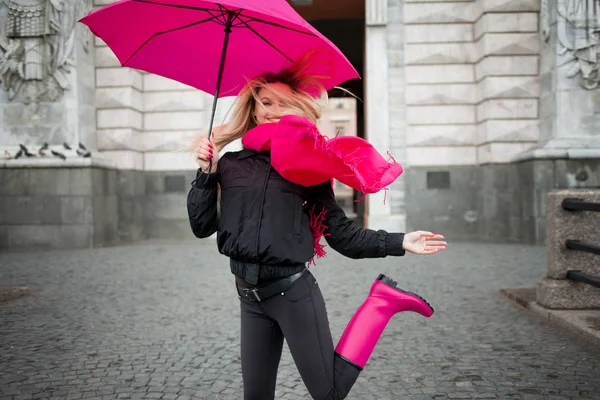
369 321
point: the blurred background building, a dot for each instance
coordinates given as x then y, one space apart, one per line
488 105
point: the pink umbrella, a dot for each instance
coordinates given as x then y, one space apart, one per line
215 45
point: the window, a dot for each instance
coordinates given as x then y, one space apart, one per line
340 130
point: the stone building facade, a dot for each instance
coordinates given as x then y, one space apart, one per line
487 104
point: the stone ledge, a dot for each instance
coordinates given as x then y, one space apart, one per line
584 324
553 154
48 162
11 293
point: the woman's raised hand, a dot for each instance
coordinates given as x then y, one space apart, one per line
205 152
423 242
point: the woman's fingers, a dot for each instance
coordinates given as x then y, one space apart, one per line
436 243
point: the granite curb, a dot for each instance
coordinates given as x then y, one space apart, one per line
11 293
584 324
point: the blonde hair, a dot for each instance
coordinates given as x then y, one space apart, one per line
307 98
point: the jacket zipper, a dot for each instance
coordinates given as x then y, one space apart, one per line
260 215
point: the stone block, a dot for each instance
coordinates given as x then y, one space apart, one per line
130 184
166 207
435 115
14 182
562 225
505 22
423 13
155 183
462 73
55 181
501 152
80 182
498 44
488 6
119 97
577 173
494 130
31 210
441 135
451 211
440 53
183 120
105 220
441 94
543 174
125 159
120 118
120 139
506 65
131 219
156 83
441 156
39 237
507 109
170 161
173 101
436 33
168 140
77 210
106 58
508 87
111 77
567 294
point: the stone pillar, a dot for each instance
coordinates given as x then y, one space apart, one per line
556 291
567 154
66 199
377 103
47 74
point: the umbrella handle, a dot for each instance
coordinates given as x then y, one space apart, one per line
231 15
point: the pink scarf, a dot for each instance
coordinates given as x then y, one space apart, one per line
303 155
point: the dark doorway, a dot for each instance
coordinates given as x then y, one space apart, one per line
343 23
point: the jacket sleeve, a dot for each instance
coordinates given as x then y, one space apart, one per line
345 236
202 204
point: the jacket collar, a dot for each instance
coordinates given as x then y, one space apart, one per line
252 153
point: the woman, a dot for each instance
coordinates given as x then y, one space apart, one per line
266 229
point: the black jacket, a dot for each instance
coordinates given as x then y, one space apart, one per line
263 221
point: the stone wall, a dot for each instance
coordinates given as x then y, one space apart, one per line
556 291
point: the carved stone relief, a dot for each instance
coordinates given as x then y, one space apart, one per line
37 48
578 34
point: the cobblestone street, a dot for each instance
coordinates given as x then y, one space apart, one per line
161 320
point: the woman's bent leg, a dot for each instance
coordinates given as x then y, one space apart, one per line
302 317
261 345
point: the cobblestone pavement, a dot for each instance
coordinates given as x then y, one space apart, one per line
161 320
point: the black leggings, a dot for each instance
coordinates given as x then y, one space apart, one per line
299 315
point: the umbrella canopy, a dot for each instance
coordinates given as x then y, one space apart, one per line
215 46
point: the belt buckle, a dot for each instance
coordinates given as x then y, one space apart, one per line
255 293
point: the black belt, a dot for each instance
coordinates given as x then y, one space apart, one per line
263 293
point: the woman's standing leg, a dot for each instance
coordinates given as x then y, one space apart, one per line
261 345
303 319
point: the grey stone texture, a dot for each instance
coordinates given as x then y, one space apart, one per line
69 118
556 291
161 320
494 202
567 294
89 207
576 225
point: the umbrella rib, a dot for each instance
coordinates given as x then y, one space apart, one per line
252 19
165 32
266 41
175 5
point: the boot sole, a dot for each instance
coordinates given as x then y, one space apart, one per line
393 284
